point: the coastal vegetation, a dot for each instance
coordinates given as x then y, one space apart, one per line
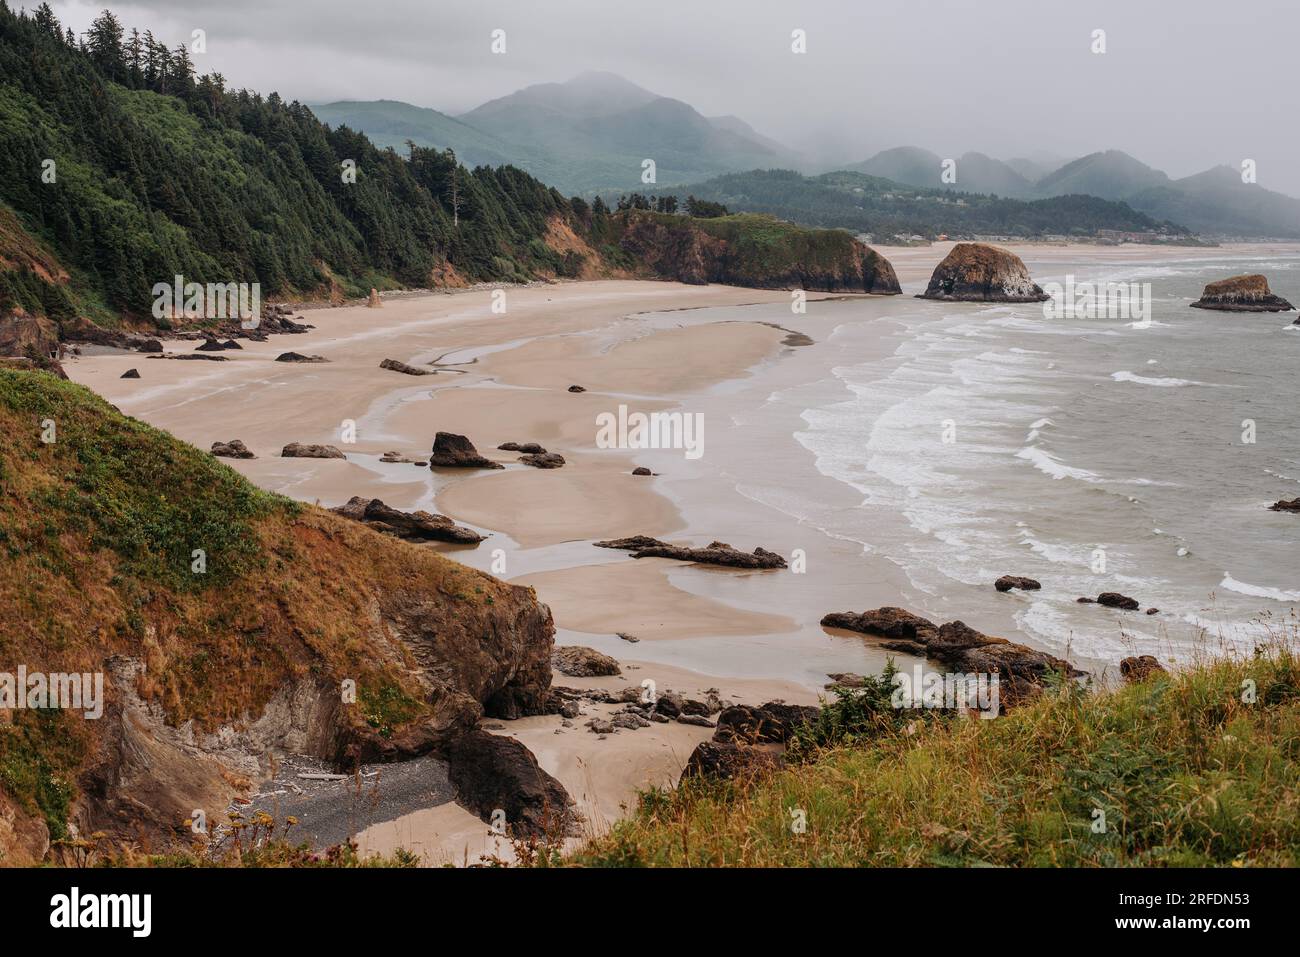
120 168
203 601
1198 767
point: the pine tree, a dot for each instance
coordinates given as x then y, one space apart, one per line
104 41
46 20
134 58
150 60
182 68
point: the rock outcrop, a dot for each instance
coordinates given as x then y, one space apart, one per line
771 723
543 460
578 661
1112 599
531 448
456 451
277 319
977 272
130 374
296 450
234 449
742 251
715 553
1284 505
723 760
747 740
298 357
394 366
887 622
1241 294
413 526
493 772
960 647
1008 582
215 345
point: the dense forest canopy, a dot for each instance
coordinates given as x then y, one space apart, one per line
134 168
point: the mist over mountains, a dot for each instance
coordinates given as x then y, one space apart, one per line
593 133
588 134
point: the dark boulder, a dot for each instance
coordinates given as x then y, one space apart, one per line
296 450
978 272
413 526
1008 582
532 448
543 460
715 553
130 374
888 622
1113 599
1283 505
298 357
456 451
234 449
578 661
493 772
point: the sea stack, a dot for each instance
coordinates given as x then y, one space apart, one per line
375 302
977 272
1241 294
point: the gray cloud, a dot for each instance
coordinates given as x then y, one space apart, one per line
1182 86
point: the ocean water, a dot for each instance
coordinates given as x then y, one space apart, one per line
1092 454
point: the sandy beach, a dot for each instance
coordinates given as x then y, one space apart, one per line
650 346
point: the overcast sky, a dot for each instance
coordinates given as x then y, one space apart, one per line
1183 84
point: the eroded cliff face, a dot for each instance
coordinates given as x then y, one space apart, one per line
754 251
977 272
307 632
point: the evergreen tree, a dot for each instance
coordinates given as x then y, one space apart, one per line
135 58
47 22
104 41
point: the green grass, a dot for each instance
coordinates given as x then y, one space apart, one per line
92 487
39 757
1185 772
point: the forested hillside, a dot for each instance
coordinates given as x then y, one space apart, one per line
132 169
121 168
882 207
